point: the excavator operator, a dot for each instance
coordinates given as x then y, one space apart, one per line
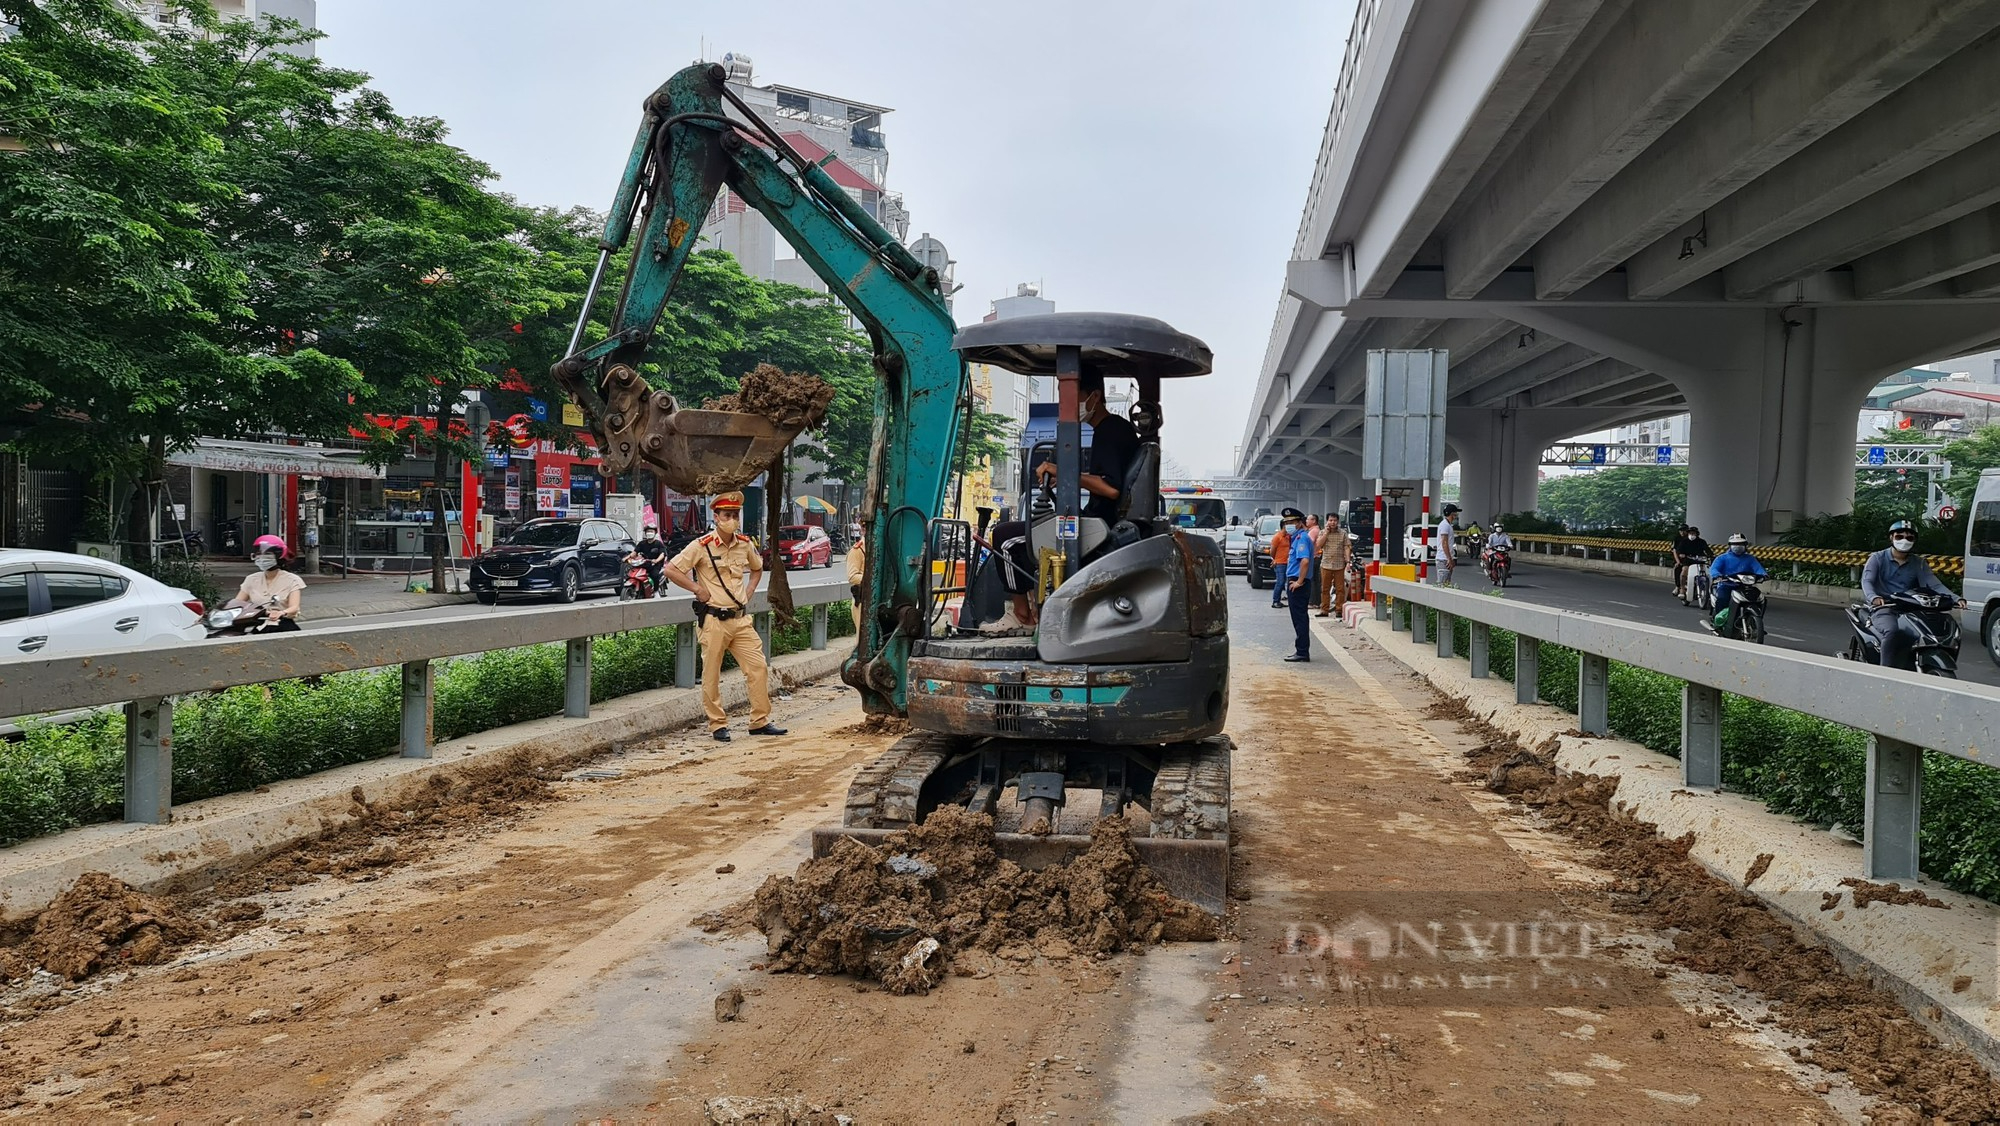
1114 443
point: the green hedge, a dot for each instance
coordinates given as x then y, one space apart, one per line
64 775
1795 763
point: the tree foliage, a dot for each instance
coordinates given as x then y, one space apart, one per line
1626 496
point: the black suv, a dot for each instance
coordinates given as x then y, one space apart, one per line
561 557
1262 574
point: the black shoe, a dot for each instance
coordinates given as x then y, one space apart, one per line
721 734
1299 657
767 729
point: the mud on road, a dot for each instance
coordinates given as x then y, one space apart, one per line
1403 942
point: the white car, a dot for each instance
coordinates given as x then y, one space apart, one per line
52 603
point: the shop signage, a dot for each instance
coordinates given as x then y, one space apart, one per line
513 498
551 500
553 477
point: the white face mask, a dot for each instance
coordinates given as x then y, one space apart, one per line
1902 544
265 562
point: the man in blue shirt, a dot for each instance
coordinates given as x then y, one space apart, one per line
1736 561
1892 571
1298 573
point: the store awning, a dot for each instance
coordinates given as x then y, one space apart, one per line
273 457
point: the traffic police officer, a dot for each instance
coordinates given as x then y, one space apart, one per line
723 569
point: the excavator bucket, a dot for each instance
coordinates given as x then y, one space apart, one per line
708 452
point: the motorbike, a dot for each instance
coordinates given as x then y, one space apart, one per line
1694 585
1746 609
1927 619
1499 565
246 621
638 581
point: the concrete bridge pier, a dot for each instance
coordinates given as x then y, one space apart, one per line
1499 451
1773 391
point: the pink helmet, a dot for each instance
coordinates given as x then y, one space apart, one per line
272 543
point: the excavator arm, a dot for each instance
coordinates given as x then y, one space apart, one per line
687 148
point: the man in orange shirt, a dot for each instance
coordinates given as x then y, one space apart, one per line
1280 548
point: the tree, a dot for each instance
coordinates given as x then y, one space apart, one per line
1625 497
1969 457
117 294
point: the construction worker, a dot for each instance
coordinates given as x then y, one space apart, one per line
857 564
722 569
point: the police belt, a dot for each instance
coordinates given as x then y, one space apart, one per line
703 611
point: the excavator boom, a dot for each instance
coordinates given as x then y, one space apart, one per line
687 149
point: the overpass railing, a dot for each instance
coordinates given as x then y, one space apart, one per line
1903 713
1945 565
145 681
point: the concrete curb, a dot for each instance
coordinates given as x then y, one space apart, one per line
1916 952
207 838
309 613
1779 588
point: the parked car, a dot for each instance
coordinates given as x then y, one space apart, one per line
1413 544
53 602
1261 572
562 557
1236 549
805 546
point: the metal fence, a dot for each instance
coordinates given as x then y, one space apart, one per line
1828 557
146 680
1903 713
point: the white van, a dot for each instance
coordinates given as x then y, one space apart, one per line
1982 564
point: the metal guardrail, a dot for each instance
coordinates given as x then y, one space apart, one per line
1903 713
1953 565
146 680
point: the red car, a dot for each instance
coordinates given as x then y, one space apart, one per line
805 546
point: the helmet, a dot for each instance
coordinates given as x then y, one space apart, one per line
1496 525
1738 542
270 543
1902 526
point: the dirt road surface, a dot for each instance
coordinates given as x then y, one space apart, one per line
1403 944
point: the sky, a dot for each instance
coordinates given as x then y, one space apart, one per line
1137 156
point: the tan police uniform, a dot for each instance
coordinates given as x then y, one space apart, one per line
720 567
857 562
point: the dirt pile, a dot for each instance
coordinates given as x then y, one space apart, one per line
902 913
791 400
1717 929
876 725
100 923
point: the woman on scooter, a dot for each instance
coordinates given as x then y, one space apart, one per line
1729 565
270 588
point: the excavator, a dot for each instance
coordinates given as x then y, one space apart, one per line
1116 702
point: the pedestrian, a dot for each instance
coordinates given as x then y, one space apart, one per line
723 569
857 564
1297 573
1280 548
1316 534
1336 553
1447 545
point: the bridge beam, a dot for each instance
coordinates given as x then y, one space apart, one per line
1833 62
1939 254
1556 363
1926 121
1655 64
1605 379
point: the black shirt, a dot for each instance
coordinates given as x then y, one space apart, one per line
652 548
1690 547
1114 446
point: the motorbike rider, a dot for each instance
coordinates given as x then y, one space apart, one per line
270 587
652 551
1499 540
1895 570
1689 550
1729 565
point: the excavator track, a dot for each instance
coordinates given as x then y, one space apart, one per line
1191 791
884 794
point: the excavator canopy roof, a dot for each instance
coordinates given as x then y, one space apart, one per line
1113 344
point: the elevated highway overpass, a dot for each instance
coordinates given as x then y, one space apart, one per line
1609 210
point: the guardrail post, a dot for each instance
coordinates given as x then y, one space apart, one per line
1593 682
1480 643
763 624
819 627
417 683
1420 624
684 655
1701 736
1527 668
149 760
1891 805
576 679
1381 607
1446 627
